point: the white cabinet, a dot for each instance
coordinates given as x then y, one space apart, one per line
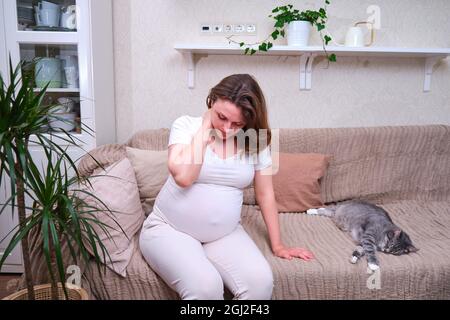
78 63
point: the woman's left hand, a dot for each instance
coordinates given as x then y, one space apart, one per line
289 253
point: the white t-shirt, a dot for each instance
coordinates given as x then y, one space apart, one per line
211 207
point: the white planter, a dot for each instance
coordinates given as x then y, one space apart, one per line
298 33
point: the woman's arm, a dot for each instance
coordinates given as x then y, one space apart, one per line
185 160
265 198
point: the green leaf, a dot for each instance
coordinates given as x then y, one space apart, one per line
327 39
263 47
246 50
282 33
241 44
252 51
275 34
279 24
327 1
320 26
332 57
269 45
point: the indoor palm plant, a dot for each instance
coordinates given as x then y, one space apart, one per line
286 16
58 213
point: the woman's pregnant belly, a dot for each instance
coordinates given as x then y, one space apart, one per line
205 211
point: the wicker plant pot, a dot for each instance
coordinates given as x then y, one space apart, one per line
44 292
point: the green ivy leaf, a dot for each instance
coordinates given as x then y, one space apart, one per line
282 33
332 57
320 26
246 50
241 44
263 47
275 34
327 39
327 2
275 10
269 45
252 51
279 24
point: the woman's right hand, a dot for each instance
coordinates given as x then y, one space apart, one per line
207 119
207 125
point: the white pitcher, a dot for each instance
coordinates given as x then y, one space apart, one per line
355 36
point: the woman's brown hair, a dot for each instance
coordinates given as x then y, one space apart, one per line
244 92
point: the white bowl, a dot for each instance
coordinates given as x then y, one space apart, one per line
62 121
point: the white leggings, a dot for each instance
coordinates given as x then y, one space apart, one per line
197 270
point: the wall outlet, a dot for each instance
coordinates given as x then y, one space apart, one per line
205 28
217 28
228 28
239 28
250 28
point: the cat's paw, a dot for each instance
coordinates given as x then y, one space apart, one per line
372 267
354 259
312 211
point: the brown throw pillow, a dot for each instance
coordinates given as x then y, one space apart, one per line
296 184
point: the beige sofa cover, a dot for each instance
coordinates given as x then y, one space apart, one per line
405 169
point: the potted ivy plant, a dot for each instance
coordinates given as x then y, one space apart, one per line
59 215
298 23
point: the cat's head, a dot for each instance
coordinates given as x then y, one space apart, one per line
398 243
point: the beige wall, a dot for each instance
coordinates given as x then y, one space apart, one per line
151 77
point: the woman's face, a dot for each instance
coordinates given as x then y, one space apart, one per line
227 118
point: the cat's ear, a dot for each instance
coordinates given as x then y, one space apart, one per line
394 233
390 234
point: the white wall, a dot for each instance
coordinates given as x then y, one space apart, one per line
151 77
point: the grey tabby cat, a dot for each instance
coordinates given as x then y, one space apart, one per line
370 227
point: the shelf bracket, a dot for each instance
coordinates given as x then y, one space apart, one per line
191 61
306 61
429 64
308 76
303 62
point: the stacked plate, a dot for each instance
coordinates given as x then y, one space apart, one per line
25 11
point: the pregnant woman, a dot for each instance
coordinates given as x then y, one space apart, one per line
193 239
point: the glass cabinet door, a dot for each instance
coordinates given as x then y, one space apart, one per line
57 66
54 36
51 15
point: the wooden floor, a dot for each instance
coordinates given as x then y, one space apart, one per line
4 278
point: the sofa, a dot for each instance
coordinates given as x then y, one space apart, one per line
404 169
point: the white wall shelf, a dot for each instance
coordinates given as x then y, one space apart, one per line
194 52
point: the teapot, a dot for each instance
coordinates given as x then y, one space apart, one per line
355 36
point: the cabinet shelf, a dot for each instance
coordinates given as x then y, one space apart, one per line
62 90
47 37
194 52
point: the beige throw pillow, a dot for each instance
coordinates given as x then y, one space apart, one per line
150 167
116 186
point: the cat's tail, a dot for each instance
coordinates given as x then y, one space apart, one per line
325 211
